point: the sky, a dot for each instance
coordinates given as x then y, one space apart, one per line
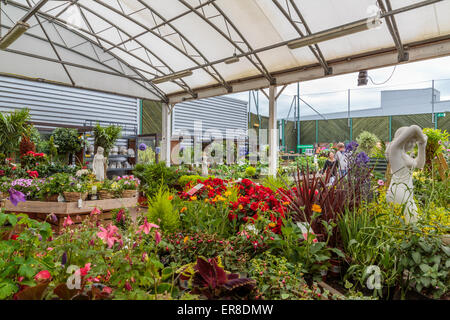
330 94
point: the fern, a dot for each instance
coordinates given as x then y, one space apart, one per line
161 211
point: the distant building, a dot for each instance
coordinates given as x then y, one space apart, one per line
393 103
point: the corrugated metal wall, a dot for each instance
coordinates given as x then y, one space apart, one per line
65 105
218 113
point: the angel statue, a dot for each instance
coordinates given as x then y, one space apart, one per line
400 190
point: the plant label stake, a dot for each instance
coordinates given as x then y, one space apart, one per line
195 189
80 203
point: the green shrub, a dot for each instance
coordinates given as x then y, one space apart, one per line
153 176
187 179
250 171
367 141
67 140
106 137
12 125
162 212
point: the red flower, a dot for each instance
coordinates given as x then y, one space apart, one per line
254 206
42 276
232 216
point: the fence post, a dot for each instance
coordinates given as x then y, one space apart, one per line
317 132
390 128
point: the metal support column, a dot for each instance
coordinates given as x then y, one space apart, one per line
317 132
298 115
433 118
390 128
273 136
166 134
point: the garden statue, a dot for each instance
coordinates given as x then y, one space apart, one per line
400 190
99 164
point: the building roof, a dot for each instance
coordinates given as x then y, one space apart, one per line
129 46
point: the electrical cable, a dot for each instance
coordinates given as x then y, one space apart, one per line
381 83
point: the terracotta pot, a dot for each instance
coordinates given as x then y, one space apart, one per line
75 196
129 194
446 239
52 198
104 195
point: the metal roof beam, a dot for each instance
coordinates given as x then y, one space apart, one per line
393 30
162 24
261 68
432 48
221 80
314 48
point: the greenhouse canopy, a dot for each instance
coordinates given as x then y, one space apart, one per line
174 50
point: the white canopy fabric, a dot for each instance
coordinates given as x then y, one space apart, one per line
120 46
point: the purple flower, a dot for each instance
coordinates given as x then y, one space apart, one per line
142 147
362 158
16 196
64 259
351 146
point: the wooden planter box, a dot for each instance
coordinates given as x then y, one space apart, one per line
39 210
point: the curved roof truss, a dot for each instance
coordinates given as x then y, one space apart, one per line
175 50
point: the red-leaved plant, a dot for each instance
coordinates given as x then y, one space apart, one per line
212 281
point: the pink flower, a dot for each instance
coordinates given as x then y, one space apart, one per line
43 275
108 235
84 271
380 182
157 237
128 286
146 227
67 221
107 290
95 211
305 236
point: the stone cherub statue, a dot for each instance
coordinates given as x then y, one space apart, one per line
99 164
400 190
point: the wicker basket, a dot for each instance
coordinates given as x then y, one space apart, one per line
75 196
52 198
3 195
104 195
129 193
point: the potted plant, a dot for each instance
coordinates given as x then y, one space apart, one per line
109 190
67 141
75 190
129 186
53 186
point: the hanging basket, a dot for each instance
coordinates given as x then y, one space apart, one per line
52 198
75 196
104 195
129 193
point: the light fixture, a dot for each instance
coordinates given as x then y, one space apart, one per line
13 34
231 60
174 76
363 78
344 30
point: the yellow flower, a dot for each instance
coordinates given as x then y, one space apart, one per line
186 239
221 198
206 200
183 209
272 224
286 203
240 207
193 198
227 193
316 208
